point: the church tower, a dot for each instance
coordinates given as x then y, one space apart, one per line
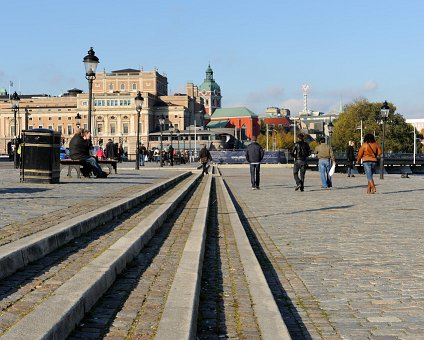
210 93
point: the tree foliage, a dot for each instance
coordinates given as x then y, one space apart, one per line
283 139
398 134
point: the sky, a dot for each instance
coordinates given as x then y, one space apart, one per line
261 52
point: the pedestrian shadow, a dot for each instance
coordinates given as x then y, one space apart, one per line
400 191
292 319
22 190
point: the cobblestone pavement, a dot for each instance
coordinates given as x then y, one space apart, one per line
21 203
352 264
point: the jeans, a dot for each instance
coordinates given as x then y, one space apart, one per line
369 169
255 175
299 167
95 167
349 168
141 159
324 169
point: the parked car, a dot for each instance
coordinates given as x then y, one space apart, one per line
64 153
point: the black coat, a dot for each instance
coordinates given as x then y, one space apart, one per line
79 148
350 153
254 153
110 150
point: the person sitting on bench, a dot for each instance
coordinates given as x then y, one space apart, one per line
79 149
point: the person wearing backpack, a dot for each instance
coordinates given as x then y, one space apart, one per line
301 151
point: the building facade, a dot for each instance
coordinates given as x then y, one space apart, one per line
113 111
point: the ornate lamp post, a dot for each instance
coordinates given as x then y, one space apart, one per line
26 117
15 108
177 132
171 130
78 120
138 106
161 124
384 113
90 62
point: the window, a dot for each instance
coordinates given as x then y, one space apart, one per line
111 87
69 118
29 118
69 130
112 128
59 118
99 128
134 86
50 118
50 127
40 126
30 127
122 87
59 128
125 128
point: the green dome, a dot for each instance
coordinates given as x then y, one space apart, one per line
209 83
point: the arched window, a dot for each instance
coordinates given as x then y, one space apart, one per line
122 87
111 87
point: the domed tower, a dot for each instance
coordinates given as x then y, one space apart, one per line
210 93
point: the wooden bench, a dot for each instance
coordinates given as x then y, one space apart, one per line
73 164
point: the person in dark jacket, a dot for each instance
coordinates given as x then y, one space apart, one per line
110 150
300 152
204 157
350 155
79 149
254 155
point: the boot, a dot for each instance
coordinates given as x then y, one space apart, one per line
373 189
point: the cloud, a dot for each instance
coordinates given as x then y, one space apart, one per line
370 85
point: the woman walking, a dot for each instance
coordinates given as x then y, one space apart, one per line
350 155
368 152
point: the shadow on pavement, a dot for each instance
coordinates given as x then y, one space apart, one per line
22 190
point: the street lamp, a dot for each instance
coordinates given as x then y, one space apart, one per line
78 120
15 108
177 132
330 128
138 105
26 117
90 62
171 130
161 124
384 113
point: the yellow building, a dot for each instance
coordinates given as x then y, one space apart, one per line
113 111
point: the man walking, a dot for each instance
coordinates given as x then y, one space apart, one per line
326 157
300 152
254 155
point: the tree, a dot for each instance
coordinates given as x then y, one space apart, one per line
398 135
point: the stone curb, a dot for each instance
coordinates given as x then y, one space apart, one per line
17 254
270 321
183 297
57 316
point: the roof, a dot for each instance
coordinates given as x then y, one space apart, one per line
209 83
277 120
215 124
127 70
233 112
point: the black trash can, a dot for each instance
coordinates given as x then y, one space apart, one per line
40 156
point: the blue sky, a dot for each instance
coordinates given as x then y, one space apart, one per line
261 52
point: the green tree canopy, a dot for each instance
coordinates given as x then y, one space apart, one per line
398 136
